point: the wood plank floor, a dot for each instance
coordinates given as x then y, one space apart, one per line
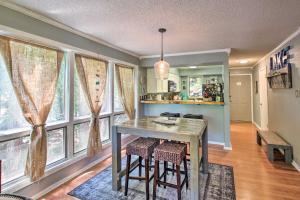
255 177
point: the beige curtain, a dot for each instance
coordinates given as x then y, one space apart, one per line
92 75
125 81
34 72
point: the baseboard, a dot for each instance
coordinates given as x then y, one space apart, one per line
258 127
296 165
66 179
217 143
222 144
228 148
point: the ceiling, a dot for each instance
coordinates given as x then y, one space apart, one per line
251 28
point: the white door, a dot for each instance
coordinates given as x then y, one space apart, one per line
263 96
240 98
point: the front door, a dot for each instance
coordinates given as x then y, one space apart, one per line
240 98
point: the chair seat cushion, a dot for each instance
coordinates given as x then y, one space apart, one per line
143 147
171 152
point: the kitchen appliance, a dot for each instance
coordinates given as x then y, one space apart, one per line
172 86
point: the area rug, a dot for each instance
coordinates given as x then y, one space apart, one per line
217 185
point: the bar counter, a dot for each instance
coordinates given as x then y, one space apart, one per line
181 102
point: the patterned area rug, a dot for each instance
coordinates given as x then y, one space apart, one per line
217 185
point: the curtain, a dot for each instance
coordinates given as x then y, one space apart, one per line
92 75
125 81
33 71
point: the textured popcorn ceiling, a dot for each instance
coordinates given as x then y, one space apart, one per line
250 27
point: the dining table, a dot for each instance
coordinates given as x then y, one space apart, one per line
192 131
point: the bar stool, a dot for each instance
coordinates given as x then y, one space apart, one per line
168 114
192 116
174 153
142 147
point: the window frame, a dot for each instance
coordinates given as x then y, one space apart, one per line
65 138
68 123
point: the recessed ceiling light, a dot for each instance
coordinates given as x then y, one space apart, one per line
244 61
193 67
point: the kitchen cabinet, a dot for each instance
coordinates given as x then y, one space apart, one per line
155 86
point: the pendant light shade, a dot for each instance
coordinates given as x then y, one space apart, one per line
161 67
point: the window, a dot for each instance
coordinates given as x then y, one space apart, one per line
13 154
14 147
11 116
104 129
81 107
195 87
81 136
120 118
106 100
118 107
56 146
57 112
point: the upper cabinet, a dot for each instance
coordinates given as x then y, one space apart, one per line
159 86
190 80
151 81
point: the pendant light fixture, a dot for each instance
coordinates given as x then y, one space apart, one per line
161 67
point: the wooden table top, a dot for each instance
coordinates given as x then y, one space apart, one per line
183 127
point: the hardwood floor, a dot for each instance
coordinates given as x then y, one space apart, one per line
255 177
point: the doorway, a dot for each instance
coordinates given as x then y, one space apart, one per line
241 97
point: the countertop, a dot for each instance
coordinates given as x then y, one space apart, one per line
181 102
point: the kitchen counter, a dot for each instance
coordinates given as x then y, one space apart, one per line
181 102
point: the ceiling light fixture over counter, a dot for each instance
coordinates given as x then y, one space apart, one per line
161 67
244 61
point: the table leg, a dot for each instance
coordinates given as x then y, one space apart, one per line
205 151
116 159
195 171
